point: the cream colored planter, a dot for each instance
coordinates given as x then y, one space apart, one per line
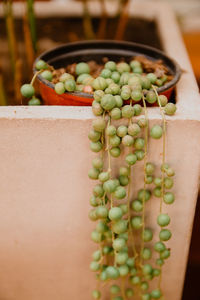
45 246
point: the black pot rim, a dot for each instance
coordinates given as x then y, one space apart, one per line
161 89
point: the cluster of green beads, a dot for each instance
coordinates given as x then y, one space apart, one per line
118 219
122 81
111 79
28 90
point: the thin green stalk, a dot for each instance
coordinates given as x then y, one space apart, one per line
101 264
32 23
109 170
28 42
163 162
164 146
103 139
113 235
103 203
129 216
87 22
145 162
129 202
12 44
108 149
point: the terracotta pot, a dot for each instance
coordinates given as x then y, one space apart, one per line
95 50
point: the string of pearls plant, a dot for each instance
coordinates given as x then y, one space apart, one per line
122 235
120 218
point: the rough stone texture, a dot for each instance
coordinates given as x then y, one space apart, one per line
45 245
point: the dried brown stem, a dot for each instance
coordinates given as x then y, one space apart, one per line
3 100
102 25
12 44
123 20
87 22
18 81
28 42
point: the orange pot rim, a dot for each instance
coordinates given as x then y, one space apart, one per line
83 95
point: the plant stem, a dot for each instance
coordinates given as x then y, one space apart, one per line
35 76
113 235
12 44
129 202
160 278
164 146
108 149
3 100
18 81
103 140
123 288
16 62
102 25
120 7
123 20
87 22
111 196
32 24
145 161
129 216
28 42
163 162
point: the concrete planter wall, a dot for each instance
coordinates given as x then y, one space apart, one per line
45 244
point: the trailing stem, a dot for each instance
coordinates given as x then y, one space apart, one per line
129 216
145 175
108 149
32 23
163 162
123 288
129 202
164 146
35 76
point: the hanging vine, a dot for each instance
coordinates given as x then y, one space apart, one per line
119 222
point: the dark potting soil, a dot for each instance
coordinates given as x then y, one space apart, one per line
149 66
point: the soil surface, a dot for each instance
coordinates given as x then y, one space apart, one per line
156 67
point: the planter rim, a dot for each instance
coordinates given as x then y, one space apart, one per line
165 87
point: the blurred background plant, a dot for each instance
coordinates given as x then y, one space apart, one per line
23 36
19 38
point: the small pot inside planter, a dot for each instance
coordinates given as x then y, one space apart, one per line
97 50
